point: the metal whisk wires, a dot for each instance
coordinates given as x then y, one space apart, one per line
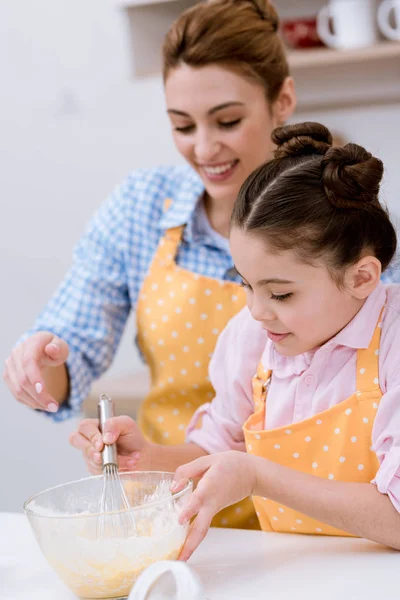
116 520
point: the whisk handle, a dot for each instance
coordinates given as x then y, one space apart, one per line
105 410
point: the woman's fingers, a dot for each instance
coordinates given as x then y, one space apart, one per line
31 373
16 387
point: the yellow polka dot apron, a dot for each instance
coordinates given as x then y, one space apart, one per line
179 317
334 444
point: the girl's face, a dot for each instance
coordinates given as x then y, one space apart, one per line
222 124
299 305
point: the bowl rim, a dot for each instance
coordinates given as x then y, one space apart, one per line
29 511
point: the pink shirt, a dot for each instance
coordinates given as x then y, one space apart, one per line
307 384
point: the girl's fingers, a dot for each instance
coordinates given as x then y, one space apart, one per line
205 497
80 442
129 463
89 429
192 508
197 532
119 427
93 468
196 468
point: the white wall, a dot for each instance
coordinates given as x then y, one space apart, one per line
72 124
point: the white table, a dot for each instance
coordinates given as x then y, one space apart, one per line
232 564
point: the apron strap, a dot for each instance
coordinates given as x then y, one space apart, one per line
171 241
261 381
367 374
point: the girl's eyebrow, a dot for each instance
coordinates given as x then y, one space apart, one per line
273 280
267 281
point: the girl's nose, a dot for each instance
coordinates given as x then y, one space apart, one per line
260 312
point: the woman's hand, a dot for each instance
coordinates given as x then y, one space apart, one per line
31 373
131 444
226 478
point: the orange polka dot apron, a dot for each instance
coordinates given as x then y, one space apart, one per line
334 444
179 317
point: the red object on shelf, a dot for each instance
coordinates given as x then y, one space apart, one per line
301 33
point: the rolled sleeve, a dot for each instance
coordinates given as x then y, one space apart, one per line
218 425
217 433
387 479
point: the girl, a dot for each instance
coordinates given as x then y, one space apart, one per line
159 245
320 419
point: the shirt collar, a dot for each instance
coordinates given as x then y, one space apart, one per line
183 206
358 333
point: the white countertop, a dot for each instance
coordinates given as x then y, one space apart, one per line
232 564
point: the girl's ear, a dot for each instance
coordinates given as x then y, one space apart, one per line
363 277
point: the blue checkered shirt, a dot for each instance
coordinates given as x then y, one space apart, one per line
91 306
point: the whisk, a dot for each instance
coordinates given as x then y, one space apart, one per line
116 520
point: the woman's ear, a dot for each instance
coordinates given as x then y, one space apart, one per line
285 104
363 277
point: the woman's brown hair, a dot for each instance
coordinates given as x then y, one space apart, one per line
240 35
317 200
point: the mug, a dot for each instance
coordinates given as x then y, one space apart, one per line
385 10
187 583
301 32
352 21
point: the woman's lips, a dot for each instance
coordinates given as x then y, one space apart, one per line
220 172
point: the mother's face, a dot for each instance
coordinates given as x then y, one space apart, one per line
222 124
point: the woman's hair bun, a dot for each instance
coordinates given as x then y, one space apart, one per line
301 139
267 12
351 176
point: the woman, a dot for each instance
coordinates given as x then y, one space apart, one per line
159 244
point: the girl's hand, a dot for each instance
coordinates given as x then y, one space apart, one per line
226 478
131 444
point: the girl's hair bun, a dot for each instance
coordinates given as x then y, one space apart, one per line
351 176
301 139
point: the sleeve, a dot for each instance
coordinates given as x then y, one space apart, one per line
90 308
233 365
386 429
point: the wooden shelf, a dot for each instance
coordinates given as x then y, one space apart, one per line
331 79
136 3
324 78
325 57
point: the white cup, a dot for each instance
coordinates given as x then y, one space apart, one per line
387 9
151 586
352 21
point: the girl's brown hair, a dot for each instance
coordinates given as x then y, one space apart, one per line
317 200
240 35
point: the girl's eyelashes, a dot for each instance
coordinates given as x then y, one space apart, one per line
222 124
281 297
278 297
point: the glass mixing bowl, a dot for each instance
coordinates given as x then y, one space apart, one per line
65 521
